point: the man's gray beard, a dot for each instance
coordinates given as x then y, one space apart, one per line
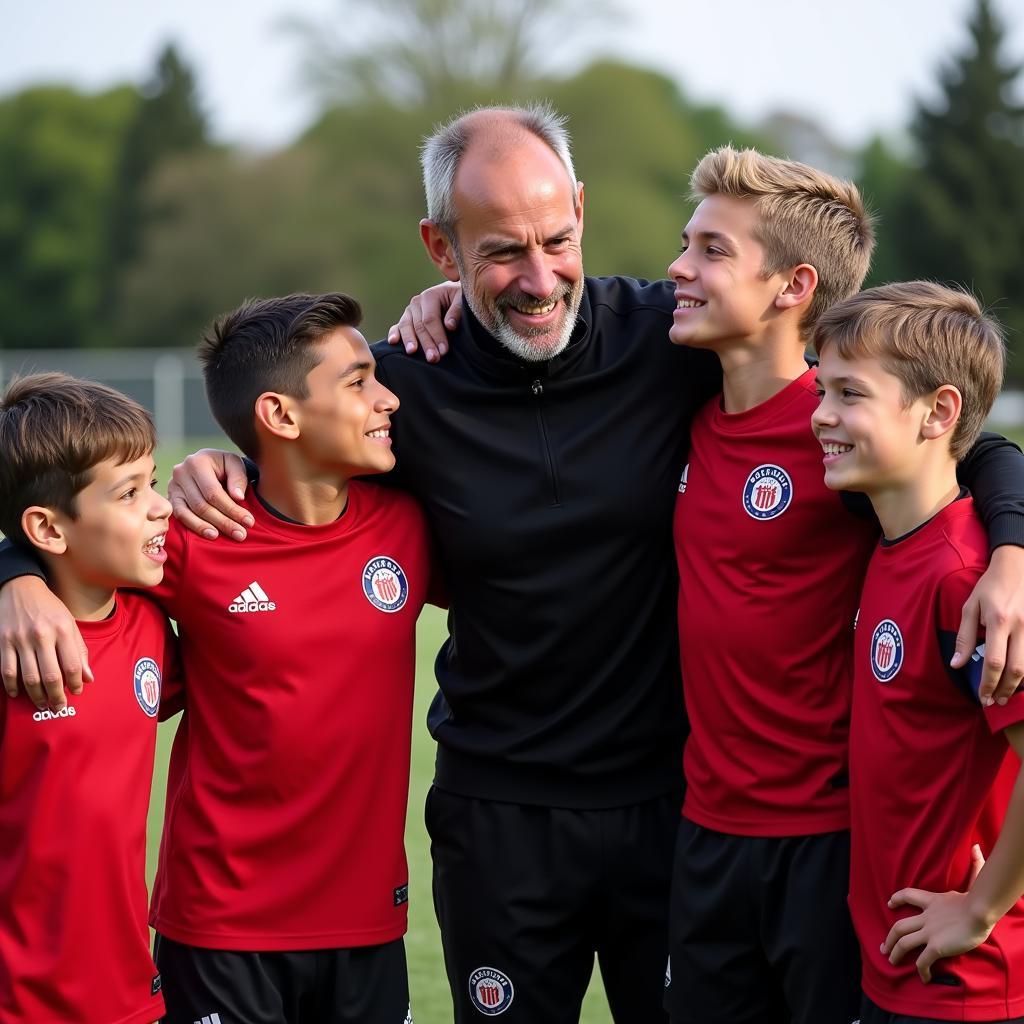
520 345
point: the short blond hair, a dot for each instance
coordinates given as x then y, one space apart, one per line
806 216
927 335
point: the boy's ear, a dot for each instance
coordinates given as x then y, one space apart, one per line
439 249
943 413
276 415
43 527
798 287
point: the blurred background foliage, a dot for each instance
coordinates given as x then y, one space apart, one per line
123 224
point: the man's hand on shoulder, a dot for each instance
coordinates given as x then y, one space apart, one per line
426 320
201 491
39 637
997 604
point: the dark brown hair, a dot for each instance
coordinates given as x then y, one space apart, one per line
54 429
267 345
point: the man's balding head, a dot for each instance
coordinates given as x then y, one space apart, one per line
497 129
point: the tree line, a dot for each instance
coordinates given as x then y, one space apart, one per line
123 224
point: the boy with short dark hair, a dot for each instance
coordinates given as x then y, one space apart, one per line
770 565
908 374
77 488
282 880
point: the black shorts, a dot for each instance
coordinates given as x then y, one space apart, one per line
760 932
871 1014
526 896
363 985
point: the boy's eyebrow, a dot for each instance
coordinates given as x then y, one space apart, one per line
713 236
352 367
132 477
845 379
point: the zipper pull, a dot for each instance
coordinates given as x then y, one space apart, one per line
537 388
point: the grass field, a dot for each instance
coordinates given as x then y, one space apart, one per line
431 1000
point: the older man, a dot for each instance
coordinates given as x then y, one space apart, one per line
546 449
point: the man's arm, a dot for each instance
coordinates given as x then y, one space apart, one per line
993 470
951 923
37 634
201 491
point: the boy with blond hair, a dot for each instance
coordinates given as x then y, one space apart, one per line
908 374
770 564
77 489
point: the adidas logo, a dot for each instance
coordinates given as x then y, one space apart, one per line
45 716
253 599
213 1018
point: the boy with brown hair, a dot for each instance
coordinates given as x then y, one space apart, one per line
77 488
908 374
770 564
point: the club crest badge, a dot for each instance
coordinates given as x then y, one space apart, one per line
384 584
147 685
491 991
767 492
886 650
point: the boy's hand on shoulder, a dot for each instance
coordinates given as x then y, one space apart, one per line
201 491
997 605
426 320
39 637
946 926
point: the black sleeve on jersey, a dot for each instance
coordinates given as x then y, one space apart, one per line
16 561
707 372
993 471
859 504
967 679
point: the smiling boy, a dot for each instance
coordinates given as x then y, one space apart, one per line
908 374
77 488
281 893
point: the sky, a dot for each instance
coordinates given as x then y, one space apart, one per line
856 66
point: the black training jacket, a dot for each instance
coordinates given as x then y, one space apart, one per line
550 489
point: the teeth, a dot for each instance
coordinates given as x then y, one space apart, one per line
688 303
156 544
379 433
834 448
537 310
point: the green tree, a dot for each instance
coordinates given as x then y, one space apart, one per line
964 214
167 122
58 151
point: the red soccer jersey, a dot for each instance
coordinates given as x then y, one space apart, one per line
288 778
770 566
74 792
930 770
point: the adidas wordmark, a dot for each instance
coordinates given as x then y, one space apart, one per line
253 599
